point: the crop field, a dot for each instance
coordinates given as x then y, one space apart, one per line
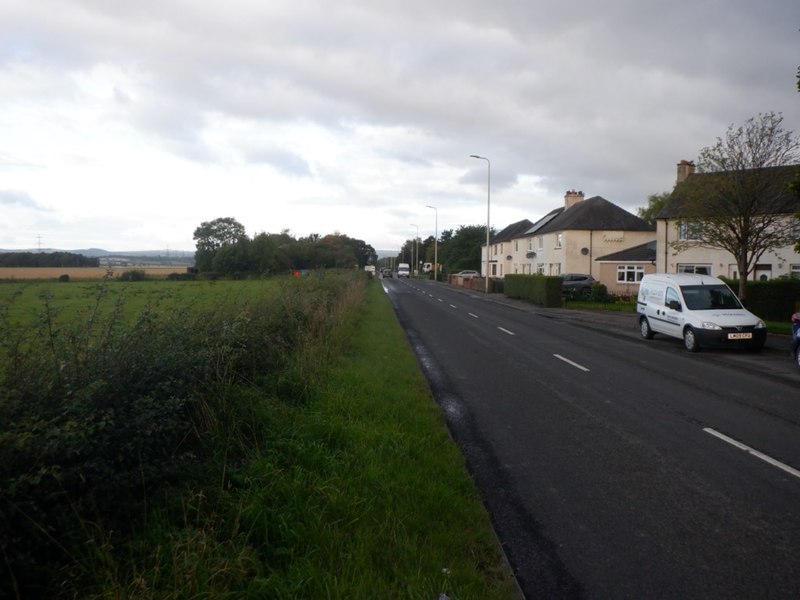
25 303
80 273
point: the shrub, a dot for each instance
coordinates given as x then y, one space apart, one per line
103 418
539 289
132 275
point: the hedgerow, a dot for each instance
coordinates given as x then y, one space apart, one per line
103 417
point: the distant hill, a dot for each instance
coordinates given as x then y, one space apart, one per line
164 257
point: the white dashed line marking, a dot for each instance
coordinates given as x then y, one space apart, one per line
753 451
570 362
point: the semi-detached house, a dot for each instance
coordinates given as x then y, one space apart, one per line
569 239
680 239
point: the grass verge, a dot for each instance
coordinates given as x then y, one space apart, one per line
375 500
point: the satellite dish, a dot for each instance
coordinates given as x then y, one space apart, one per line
584 251
530 255
509 257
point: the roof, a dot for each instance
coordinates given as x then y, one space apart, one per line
513 231
545 220
641 253
595 213
771 182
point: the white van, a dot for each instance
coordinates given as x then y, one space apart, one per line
403 270
699 309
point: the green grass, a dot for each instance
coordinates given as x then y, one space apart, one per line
26 302
315 463
376 500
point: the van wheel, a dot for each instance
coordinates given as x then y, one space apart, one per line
644 329
690 340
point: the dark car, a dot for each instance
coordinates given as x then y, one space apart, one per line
386 272
577 284
796 338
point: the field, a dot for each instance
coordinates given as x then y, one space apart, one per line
80 273
169 439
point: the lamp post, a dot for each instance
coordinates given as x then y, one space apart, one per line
488 205
435 244
415 250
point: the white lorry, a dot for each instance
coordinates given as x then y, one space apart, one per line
403 270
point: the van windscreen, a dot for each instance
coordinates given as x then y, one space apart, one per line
709 297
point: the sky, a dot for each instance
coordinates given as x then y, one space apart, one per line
125 125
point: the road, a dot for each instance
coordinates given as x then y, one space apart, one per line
613 466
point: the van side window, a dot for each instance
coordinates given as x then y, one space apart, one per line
672 296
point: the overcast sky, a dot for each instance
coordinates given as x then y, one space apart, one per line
124 125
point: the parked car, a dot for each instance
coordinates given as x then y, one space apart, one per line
796 338
468 274
699 309
577 284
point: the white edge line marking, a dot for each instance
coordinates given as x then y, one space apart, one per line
754 452
504 330
473 315
569 362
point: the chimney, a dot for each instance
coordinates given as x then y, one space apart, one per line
572 198
685 168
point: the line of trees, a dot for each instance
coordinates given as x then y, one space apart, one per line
223 247
47 259
458 249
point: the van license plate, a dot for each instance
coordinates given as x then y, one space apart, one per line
740 336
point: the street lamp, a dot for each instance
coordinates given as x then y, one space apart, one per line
415 248
488 205
435 244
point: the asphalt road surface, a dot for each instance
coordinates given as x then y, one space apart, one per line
612 466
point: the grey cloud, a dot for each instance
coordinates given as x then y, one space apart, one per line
19 198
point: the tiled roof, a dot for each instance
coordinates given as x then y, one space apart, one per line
775 187
513 231
641 253
595 213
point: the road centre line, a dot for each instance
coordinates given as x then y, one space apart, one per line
766 458
504 330
473 315
453 306
569 362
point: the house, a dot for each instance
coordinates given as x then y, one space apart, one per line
505 249
569 238
622 271
680 239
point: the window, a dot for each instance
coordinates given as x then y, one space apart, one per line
540 268
672 296
530 244
794 271
630 273
559 240
699 269
690 231
516 245
541 242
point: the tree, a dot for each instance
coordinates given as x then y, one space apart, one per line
655 202
210 236
740 198
463 249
